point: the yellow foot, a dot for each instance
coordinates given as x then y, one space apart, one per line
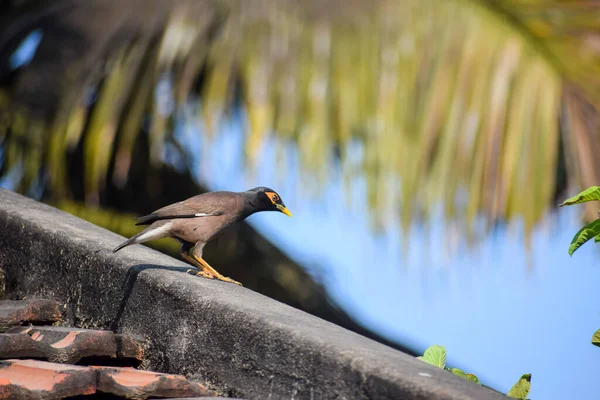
226 279
200 273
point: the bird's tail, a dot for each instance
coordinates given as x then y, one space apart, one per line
126 243
152 232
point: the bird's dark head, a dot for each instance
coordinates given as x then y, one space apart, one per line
265 199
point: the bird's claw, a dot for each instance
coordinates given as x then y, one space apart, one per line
226 279
200 273
208 275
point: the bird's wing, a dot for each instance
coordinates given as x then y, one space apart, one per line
182 209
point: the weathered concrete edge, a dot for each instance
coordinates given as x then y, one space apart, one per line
238 341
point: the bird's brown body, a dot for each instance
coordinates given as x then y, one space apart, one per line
194 230
197 220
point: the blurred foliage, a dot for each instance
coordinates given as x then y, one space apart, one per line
591 230
436 355
461 102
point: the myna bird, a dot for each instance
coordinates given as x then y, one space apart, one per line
197 220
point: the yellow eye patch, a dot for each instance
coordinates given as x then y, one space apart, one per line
274 197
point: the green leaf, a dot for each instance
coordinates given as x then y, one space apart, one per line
596 239
596 338
521 389
435 355
590 194
458 372
469 377
586 233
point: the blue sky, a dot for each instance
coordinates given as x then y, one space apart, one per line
499 311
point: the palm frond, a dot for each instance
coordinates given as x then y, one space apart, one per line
459 101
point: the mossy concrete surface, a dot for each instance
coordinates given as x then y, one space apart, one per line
234 340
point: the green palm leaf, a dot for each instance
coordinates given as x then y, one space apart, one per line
442 96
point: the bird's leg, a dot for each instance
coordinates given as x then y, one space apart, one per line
197 254
214 272
184 251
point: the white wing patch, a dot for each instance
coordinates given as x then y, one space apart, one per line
156 233
203 215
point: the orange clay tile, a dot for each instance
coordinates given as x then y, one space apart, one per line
16 345
25 379
32 379
128 348
71 345
136 384
18 312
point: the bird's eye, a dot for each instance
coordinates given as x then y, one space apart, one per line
275 198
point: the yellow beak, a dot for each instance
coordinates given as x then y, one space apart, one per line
284 210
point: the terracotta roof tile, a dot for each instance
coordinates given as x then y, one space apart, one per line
18 312
33 379
69 345
136 384
24 379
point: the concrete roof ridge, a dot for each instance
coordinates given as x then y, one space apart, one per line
238 341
